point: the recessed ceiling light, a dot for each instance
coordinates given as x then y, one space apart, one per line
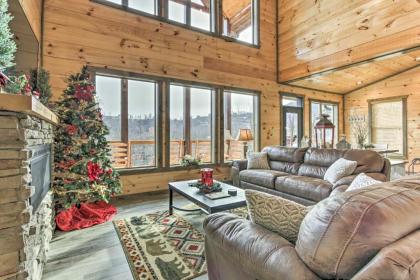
359 82
418 58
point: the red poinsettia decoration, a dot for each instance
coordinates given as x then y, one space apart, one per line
84 92
71 129
94 171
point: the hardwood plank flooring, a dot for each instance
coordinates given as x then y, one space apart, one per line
96 253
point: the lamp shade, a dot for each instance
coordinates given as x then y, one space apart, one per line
245 134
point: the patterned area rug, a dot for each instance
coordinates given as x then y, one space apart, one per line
159 246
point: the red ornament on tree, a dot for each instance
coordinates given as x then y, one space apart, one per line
71 129
84 92
94 171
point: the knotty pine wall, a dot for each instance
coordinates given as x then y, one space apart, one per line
78 32
323 34
407 83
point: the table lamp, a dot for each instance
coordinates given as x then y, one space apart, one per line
245 135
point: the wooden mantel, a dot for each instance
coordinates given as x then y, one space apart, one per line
26 104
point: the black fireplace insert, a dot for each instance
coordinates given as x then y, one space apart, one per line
40 169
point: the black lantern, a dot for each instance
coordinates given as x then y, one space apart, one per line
324 132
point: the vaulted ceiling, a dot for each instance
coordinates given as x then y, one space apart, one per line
351 77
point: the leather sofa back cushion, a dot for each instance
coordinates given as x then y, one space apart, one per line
285 154
285 159
367 161
344 232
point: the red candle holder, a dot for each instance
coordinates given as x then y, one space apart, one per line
207 176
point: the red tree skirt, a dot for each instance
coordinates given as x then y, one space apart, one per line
89 214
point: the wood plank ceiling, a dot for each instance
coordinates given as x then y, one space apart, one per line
352 77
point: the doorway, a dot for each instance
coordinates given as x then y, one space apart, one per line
292 120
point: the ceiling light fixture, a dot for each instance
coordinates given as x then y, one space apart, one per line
360 82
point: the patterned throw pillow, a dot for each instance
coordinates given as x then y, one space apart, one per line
275 213
339 169
361 181
258 161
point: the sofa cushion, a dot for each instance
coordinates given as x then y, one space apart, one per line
285 159
258 161
367 161
317 161
264 178
361 181
306 187
275 213
340 169
341 234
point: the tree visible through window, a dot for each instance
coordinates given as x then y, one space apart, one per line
191 123
128 108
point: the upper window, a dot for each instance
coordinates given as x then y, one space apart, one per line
238 19
318 109
387 125
129 111
191 123
240 123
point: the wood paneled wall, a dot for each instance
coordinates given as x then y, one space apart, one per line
408 84
324 34
33 12
78 32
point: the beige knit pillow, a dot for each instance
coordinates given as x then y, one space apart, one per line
276 214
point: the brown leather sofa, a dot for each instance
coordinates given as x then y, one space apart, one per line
297 173
371 233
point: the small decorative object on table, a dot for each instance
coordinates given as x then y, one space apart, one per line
232 192
189 160
215 187
207 176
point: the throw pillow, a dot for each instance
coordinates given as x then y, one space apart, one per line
258 161
362 180
275 213
339 169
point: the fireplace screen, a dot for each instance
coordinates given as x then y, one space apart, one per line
40 166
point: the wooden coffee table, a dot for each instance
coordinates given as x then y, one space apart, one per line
206 204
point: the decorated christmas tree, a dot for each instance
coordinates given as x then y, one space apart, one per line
83 171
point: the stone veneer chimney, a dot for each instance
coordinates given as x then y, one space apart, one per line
24 234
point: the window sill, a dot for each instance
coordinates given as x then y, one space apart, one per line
175 23
136 171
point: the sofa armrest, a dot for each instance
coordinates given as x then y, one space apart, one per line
239 249
349 179
387 170
240 164
237 166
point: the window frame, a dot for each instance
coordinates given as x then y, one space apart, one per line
124 113
257 119
187 119
163 119
403 99
216 19
336 132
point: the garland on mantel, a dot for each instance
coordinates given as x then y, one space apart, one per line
83 171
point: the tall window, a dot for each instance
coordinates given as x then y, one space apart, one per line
229 19
388 124
319 108
191 123
240 20
240 114
129 110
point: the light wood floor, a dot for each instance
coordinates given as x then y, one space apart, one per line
96 253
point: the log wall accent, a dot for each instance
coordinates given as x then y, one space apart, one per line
405 84
320 35
78 32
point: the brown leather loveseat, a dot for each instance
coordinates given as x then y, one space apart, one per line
297 173
370 233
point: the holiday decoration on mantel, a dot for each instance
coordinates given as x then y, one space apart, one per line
82 165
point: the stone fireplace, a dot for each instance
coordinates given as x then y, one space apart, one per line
26 204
